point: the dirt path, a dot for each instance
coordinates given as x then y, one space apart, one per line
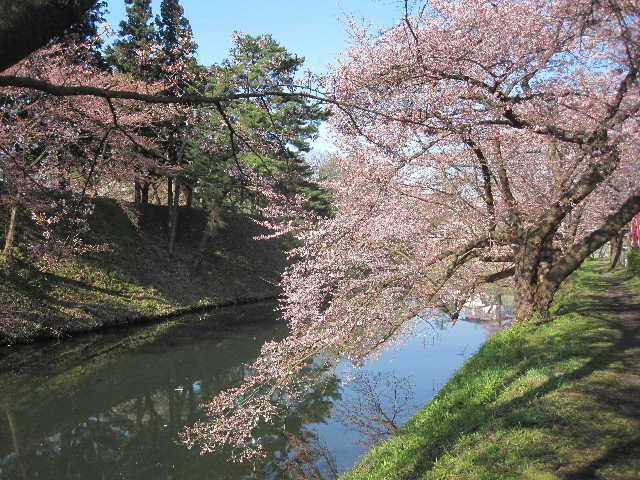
617 304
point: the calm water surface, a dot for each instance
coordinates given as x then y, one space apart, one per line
111 405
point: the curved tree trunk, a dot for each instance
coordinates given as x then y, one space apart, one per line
616 249
539 272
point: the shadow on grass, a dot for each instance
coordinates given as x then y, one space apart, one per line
472 418
537 403
57 279
625 452
577 424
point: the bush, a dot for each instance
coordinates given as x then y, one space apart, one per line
634 261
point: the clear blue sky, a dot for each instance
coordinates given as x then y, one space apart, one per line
309 28
314 29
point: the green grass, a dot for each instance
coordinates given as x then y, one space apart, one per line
633 258
547 402
633 271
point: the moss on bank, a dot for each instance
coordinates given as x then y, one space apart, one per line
135 277
554 402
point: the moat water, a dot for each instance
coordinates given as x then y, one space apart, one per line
111 405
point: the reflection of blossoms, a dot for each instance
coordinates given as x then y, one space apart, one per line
468 138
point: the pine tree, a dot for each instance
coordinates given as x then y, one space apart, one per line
175 37
174 33
131 52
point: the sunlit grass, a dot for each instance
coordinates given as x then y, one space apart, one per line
544 402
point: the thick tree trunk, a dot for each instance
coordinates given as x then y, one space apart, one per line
538 276
169 191
534 288
533 300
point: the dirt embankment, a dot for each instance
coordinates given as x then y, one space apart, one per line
136 279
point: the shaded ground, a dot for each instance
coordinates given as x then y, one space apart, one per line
616 303
560 401
136 277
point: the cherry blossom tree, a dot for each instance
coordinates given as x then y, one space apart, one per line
55 153
479 140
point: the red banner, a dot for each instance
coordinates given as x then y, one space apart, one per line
635 231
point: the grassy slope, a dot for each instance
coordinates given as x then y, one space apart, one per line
136 277
632 278
551 402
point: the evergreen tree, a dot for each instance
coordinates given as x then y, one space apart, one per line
272 134
284 125
174 33
137 37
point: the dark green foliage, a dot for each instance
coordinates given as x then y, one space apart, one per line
259 64
633 258
174 33
271 133
137 35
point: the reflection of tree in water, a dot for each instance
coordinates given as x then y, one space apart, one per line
310 459
138 438
380 404
301 454
374 406
118 415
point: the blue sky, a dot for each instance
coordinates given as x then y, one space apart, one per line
309 28
314 29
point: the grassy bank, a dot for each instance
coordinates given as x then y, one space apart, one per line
135 277
554 402
633 271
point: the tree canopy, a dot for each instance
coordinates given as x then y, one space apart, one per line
479 140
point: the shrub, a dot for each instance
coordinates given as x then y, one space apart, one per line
634 261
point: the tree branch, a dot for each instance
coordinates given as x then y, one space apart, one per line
501 275
580 251
83 90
